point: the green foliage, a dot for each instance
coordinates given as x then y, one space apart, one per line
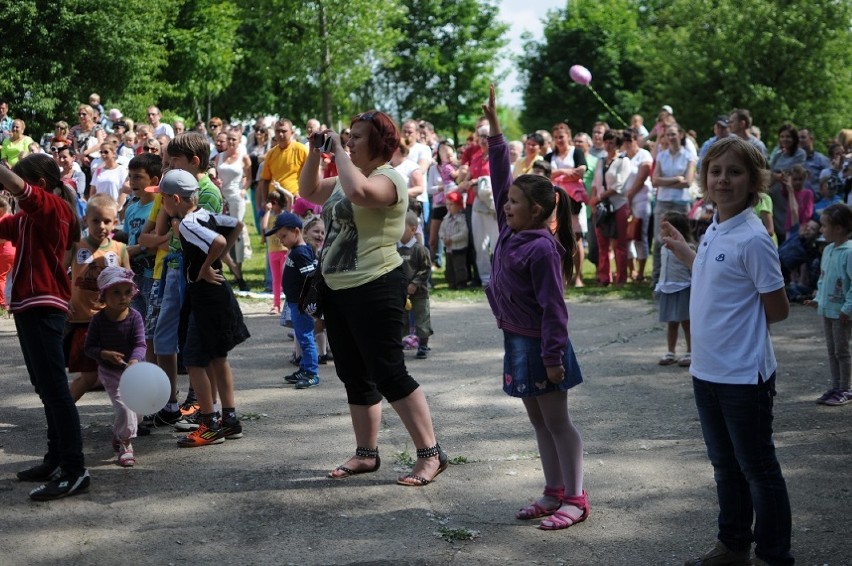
785 61
64 51
444 61
601 35
203 53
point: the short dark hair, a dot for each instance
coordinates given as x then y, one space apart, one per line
383 138
191 144
151 163
839 214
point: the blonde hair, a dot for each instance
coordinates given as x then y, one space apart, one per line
753 161
101 201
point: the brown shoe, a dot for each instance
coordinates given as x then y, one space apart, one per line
721 555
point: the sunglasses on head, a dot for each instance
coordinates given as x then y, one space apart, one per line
365 116
57 148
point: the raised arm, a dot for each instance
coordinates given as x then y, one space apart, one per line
500 165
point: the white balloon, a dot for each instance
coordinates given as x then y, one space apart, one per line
145 388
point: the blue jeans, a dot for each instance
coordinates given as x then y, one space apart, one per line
40 335
303 330
736 421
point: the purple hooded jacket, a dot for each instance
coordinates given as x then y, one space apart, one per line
526 290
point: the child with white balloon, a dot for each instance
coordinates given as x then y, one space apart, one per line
116 340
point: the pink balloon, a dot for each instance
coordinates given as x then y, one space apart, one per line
580 75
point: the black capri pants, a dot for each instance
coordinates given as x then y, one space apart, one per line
364 326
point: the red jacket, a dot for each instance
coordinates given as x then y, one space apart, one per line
40 231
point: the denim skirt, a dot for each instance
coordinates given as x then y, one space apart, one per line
524 374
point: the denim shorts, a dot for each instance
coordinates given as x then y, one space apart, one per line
524 374
166 332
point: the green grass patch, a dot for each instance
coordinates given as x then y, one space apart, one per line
254 272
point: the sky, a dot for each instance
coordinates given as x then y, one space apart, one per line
521 15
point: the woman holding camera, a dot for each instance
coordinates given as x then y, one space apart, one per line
363 298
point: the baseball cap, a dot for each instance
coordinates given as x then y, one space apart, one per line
454 197
284 220
176 182
722 120
114 275
667 108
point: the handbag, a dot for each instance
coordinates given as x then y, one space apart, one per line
310 299
605 218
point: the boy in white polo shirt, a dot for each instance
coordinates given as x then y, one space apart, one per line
737 292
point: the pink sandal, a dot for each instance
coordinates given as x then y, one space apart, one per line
561 519
536 510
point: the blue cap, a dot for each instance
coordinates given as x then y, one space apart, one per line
284 220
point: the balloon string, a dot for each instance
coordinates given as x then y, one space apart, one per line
607 106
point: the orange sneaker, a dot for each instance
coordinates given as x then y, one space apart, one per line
187 409
203 436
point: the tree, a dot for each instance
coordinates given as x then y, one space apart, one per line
601 35
444 61
63 51
308 59
785 61
202 54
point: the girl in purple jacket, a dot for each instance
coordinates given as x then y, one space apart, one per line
526 294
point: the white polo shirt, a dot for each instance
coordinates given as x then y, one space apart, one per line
736 263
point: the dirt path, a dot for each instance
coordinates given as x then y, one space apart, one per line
264 499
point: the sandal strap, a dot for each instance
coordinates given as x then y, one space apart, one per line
419 479
429 452
367 452
557 492
581 501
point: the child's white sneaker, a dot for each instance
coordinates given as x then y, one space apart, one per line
126 459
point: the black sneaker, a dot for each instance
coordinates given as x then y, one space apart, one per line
323 360
167 418
188 423
43 472
309 380
62 486
296 376
295 360
422 353
232 431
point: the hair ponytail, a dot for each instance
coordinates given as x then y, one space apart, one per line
565 231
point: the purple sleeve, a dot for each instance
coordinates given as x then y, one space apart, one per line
501 174
546 277
93 340
138 336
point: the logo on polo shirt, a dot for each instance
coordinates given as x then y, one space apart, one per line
720 257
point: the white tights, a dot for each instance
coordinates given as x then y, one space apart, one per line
559 442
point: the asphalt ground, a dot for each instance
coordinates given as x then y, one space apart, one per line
264 499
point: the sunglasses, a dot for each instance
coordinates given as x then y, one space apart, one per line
150 149
215 125
365 116
105 152
58 148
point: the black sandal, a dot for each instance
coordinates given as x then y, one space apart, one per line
363 453
422 453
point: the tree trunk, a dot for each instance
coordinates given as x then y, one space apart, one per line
325 66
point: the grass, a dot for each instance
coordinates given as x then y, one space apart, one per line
254 272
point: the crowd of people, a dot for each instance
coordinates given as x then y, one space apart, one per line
144 218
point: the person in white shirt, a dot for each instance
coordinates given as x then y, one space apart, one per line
737 293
